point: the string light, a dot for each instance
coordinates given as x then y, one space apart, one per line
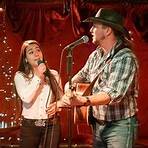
6 71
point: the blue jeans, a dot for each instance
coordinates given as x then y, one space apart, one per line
115 134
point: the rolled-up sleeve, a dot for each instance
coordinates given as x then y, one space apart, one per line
24 88
121 75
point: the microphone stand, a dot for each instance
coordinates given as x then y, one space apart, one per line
69 111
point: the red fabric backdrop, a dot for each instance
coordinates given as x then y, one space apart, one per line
55 28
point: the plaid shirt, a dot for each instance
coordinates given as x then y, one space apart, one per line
118 78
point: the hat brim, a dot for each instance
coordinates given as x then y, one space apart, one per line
117 27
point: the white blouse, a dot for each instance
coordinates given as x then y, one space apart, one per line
25 88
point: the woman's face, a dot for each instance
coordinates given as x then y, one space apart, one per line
33 54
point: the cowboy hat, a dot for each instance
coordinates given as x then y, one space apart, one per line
111 18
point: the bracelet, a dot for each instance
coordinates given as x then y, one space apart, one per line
88 102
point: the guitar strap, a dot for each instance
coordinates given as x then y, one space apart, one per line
89 89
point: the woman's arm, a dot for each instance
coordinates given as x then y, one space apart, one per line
27 90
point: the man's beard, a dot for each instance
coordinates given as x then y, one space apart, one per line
98 41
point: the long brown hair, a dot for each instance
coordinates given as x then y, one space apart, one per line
23 65
26 69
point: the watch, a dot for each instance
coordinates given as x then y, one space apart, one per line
88 102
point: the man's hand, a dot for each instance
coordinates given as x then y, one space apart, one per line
72 99
78 100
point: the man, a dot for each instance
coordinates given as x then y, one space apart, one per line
115 88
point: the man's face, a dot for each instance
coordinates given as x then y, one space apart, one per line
98 32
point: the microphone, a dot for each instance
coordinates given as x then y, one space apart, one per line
83 39
40 62
42 68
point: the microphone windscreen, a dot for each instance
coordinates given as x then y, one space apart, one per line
40 62
85 38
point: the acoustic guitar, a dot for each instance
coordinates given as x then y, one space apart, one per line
81 112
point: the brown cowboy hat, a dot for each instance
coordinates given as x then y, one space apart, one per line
111 18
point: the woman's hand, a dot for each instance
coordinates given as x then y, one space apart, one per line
55 107
67 100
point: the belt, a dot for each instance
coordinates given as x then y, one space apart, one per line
103 122
39 122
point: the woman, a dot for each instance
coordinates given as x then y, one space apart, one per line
37 86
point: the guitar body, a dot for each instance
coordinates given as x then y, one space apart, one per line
81 113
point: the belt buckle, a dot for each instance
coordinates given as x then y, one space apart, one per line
40 122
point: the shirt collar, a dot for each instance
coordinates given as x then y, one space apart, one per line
112 51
